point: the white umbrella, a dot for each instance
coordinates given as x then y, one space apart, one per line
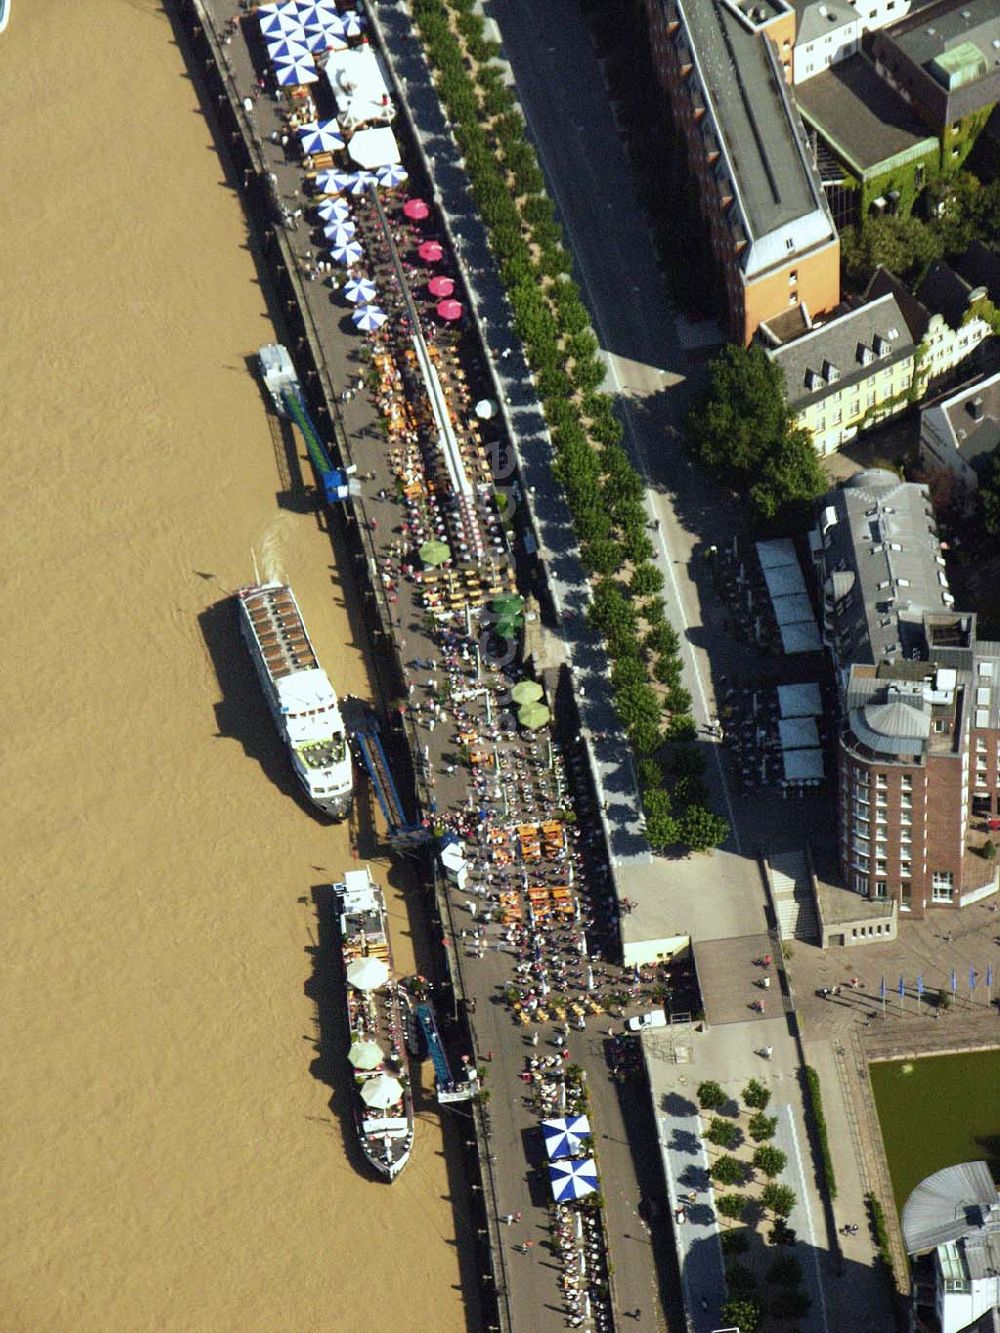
294 73
374 148
322 136
339 233
382 1091
279 24
564 1137
392 175
287 48
368 317
361 181
366 1055
367 973
353 25
332 182
333 210
486 409
573 1179
348 254
359 291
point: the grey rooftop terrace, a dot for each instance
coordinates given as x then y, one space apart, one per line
860 116
755 118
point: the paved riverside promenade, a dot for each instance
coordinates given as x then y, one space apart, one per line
528 1280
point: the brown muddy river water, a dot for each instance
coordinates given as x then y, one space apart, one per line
170 1158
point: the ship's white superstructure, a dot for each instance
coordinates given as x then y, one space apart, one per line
303 703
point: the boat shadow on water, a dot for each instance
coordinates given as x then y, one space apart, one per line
325 987
241 714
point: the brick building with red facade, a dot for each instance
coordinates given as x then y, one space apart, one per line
919 726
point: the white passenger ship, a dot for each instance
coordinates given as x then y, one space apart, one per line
302 701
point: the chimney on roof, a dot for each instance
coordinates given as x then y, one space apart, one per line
975 409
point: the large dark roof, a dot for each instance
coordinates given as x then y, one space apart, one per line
945 292
862 119
981 266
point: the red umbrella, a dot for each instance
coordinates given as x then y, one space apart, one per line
450 309
416 209
441 286
431 251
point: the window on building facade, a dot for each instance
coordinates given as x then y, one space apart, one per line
942 886
881 887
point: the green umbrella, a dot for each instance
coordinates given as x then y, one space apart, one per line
435 552
532 716
366 1055
506 629
526 692
508 603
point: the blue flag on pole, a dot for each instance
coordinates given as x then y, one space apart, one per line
881 989
902 986
954 981
920 985
972 977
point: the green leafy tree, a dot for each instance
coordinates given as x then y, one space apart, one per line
731 1206
989 494
743 1313
755 1094
661 826
729 1170
778 1199
902 244
762 1127
741 1280
723 1133
711 1095
790 1303
682 727
650 775
701 829
736 1240
646 580
769 1161
786 1271
743 431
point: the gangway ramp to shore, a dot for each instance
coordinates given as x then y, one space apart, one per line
402 832
332 480
432 1040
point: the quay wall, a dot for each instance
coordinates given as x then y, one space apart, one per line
243 146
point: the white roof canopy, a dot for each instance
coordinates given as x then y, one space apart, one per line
800 700
358 86
374 148
798 733
803 765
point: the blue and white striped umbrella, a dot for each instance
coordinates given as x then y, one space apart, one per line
287 48
322 136
334 25
279 24
339 233
572 1179
391 176
361 181
351 253
333 210
333 182
294 73
315 39
359 291
354 25
565 1136
367 318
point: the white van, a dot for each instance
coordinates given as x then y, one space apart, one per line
656 1018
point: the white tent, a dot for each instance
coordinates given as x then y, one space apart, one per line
785 581
798 733
802 637
774 554
374 148
367 973
803 765
792 607
800 700
357 85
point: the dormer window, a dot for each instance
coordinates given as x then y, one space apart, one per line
830 372
881 345
814 380
865 354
